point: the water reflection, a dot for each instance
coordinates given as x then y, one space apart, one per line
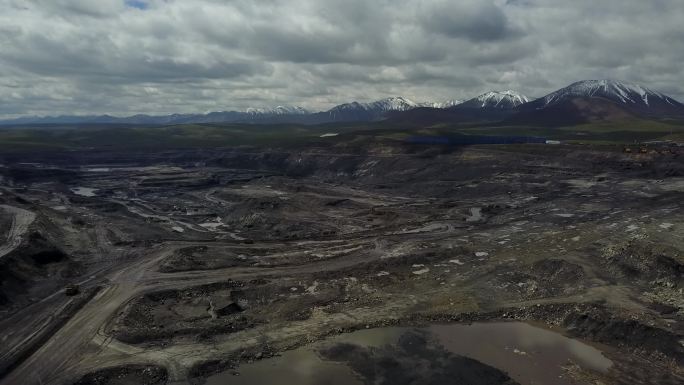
297 367
528 354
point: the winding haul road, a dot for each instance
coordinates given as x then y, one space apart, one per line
83 342
21 220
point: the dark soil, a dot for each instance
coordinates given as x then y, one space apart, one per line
126 375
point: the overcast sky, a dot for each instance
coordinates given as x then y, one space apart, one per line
164 56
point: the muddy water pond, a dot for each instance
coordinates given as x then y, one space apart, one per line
475 214
481 353
84 191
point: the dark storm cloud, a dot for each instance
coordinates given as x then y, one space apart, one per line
161 56
478 21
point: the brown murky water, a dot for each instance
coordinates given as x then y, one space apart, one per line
528 354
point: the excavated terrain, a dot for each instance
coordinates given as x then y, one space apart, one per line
193 262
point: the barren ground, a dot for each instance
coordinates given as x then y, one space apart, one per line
191 262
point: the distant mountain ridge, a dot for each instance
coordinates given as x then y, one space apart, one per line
279 110
497 99
597 100
355 111
634 97
617 91
347 112
587 100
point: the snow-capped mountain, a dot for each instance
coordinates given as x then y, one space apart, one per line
376 110
279 110
597 101
442 105
497 100
588 100
396 103
630 94
591 99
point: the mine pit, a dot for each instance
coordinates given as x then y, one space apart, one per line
193 266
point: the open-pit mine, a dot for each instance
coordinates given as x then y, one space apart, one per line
392 264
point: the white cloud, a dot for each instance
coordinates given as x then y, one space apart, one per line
91 57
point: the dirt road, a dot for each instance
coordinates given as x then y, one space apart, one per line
21 220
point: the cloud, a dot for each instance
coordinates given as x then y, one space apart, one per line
475 20
163 56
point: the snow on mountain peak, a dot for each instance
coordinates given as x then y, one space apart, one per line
442 105
395 103
622 92
499 99
279 110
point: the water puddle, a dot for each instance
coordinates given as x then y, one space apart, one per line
475 214
530 355
436 354
84 191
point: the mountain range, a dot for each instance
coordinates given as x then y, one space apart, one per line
597 100
348 112
503 100
580 102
